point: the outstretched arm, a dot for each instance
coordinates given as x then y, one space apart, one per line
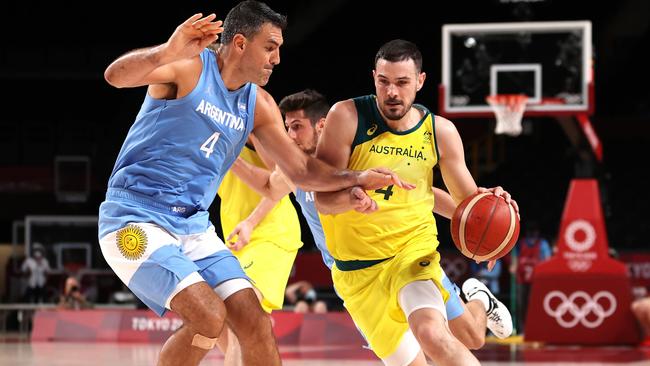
273 185
334 147
304 171
354 198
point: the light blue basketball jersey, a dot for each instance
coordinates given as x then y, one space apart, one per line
306 202
176 154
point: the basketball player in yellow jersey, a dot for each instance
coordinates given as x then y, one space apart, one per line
387 269
271 251
269 255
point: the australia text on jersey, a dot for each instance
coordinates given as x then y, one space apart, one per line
393 150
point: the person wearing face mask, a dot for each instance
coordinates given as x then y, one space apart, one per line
36 268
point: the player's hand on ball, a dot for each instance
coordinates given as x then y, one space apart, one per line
500 192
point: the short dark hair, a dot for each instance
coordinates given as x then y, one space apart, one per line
247 18
313 104
400 50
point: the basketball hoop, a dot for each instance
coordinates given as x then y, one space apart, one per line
509 110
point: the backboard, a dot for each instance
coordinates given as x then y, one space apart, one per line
549 62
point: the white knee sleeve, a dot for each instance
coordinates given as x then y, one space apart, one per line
421 294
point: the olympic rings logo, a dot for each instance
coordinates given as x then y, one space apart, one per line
580 313
570 235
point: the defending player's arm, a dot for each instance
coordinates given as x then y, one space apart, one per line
167 63
244 229
304 171
334 148
261 152
273 185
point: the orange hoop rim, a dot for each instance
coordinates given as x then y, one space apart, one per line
506 99
509 111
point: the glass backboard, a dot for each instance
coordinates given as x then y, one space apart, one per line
549 62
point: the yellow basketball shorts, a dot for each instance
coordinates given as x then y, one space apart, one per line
371 294
268 266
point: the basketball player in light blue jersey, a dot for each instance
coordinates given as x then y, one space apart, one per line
305 114
198 111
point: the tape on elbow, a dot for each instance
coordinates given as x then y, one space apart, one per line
204 342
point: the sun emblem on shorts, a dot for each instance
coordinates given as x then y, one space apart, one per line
132 242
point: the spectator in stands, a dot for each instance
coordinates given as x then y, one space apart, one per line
530 250
641 309
72 298
36 267
304 298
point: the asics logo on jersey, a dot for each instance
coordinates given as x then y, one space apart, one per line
248 265
219 116
371 131
577 307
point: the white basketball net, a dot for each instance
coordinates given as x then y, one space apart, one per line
509 110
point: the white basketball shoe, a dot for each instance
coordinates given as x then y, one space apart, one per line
499 320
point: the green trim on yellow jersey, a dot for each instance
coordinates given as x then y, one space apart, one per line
404 217
372 124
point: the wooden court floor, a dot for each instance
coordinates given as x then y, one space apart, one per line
22 353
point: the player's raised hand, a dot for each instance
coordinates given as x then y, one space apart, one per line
376 178
361 201
193 35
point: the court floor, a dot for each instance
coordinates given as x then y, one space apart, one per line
104 354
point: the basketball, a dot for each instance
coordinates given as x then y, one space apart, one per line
484 227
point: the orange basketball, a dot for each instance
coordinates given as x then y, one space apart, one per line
484 227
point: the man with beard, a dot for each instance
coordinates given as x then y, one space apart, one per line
305 114
154 226
387 269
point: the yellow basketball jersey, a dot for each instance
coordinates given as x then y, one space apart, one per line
403 217
281 226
